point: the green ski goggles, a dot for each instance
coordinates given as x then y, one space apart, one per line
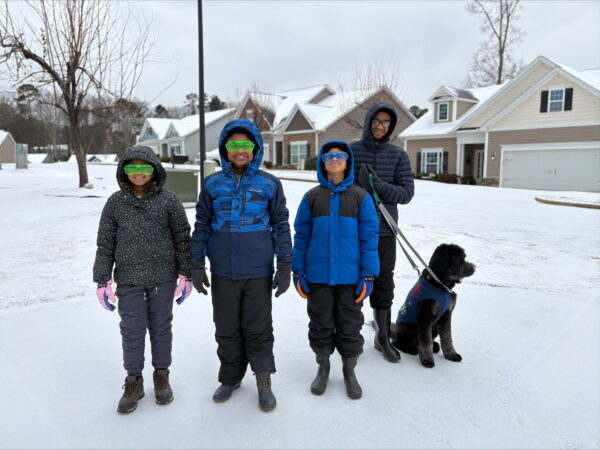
144 169
234 146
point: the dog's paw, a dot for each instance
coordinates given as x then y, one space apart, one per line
454 357
427 362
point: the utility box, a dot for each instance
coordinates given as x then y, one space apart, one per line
209 167
183 183
21 156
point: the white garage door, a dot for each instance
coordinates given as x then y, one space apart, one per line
565 166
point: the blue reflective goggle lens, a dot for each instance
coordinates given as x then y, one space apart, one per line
340 156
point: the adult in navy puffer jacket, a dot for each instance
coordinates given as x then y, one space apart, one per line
334 262
393 180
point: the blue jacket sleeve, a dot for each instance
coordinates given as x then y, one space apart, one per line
280 225
303 230
204 213
403 188
368 233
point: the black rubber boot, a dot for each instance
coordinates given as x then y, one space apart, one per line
353 389
382 338
319 384
223 392
266 398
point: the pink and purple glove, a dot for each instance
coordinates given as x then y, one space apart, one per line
106 296
184 289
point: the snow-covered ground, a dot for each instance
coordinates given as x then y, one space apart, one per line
527 325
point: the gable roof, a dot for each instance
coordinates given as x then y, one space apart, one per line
190 124
425 126
487 96
457 93
6 134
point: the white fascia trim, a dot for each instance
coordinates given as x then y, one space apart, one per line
425 136
300 132
485 154
520 99
547 125
474 137
591 145
435 94
291 116
508 86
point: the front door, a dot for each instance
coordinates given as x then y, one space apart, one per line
165 150
478 165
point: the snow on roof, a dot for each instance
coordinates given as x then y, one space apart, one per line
425 126
296 96
159 126
590 77
3 135
190 124
460 93
36 158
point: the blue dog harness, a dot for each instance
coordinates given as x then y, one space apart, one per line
423 290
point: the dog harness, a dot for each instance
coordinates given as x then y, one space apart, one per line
423 290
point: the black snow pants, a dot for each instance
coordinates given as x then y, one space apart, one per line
244 326
383 287
144 308
335 320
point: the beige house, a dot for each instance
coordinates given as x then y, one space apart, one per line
540 130
8 147
294 124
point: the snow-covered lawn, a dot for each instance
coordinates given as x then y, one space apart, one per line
527 325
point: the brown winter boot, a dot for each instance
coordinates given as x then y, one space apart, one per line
134 391
266 398
162 389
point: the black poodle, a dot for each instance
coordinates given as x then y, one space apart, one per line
428 308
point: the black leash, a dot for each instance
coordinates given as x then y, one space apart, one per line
398 233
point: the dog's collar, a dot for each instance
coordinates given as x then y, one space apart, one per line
434 284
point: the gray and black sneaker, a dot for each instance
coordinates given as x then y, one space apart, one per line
162 389
134 391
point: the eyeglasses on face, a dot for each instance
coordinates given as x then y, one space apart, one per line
340 156
234 146
382 123
144 169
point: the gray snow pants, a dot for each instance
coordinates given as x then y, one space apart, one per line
140 308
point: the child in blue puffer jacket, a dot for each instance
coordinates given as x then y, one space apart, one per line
335 261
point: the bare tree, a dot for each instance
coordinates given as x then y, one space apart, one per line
79 48
493 62
367 80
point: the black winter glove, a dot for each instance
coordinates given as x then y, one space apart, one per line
363 178
282 278
199 277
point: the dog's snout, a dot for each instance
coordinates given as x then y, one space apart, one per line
469 269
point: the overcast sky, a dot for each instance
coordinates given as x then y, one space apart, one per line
291 44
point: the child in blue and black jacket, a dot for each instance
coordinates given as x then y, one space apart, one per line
335 261
241 224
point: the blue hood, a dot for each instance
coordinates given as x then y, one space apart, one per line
375 107
252 131
322 175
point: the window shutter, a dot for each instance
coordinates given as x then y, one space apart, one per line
544 102
418 168
289 155
568 99
445 163
307 150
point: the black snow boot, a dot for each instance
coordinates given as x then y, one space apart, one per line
353 389
319 384
163 394
134 391
223 392
266 398
382 337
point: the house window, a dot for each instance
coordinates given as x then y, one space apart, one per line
298 151
250 115
175 149
432 161
149 133
442 112
556 99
